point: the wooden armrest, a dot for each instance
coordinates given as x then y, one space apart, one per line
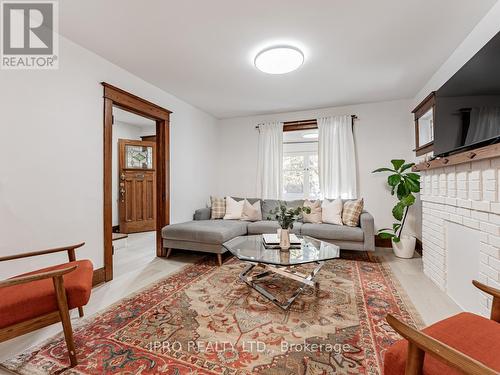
487 289
495 306
420 343
36 276
70 249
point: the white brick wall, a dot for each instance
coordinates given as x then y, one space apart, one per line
467 194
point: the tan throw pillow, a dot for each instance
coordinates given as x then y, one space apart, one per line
218 206
251 212
234 209
332 212
352 212
315 216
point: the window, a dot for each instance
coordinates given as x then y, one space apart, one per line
139 156
300 175
300 164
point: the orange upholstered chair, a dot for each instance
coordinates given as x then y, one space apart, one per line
465 343
37 299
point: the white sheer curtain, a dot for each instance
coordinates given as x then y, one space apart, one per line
270 160
336 157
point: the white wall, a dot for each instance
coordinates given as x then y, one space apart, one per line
382 132
51 145
122 130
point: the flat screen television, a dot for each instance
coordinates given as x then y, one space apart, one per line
467 107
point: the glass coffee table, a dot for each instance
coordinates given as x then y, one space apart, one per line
251 250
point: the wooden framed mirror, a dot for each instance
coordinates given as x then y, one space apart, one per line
424 125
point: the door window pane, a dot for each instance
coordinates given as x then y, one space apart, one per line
139 156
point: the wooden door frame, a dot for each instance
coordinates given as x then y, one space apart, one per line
114 96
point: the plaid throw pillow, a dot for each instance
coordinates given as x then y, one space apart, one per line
352 211
218 207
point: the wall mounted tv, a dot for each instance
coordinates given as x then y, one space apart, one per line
467 107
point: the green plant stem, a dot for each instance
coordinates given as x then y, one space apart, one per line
403 222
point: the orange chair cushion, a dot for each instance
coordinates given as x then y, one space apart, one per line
22 302
471 334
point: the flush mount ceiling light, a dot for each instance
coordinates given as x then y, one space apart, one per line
310 135
279 60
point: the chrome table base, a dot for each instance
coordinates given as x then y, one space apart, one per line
285 271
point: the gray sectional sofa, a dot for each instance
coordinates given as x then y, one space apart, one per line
207 235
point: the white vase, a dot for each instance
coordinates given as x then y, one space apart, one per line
405 248
284 239
284 257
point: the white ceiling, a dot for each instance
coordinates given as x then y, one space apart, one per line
202 51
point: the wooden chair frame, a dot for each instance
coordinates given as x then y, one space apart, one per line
420 344
62 315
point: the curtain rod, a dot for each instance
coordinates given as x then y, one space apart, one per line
312 122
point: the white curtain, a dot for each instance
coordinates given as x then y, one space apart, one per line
336 157
270 160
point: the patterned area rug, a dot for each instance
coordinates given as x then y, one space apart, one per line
204 320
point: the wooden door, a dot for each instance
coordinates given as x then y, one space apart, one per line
137 187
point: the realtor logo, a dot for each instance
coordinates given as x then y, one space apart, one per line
29 35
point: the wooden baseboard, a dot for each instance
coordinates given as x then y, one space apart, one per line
99 277
382 242
118 236
418 248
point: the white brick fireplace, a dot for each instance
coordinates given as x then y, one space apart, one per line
468 195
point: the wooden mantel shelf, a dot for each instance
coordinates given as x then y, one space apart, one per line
486 152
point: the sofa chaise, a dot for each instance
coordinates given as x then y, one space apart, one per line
207 235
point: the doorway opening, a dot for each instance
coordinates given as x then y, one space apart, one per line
136 175
134 190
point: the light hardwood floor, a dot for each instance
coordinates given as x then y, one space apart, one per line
432 303
136 267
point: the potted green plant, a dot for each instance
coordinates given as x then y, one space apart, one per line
404 184
286 217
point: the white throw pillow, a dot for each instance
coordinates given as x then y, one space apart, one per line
331 212
234 209
315 216
251 212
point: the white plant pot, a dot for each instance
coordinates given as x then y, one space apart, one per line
404 248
